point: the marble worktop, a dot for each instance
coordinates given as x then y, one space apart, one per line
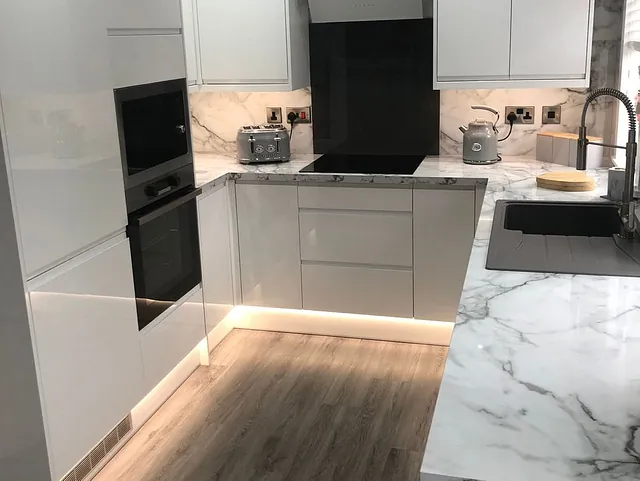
214 169
542 381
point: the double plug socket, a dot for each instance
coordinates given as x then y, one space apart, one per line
294 115
551 114
524 115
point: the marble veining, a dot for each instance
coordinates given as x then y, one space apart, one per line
542 382
543 376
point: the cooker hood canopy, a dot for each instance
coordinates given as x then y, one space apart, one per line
329 11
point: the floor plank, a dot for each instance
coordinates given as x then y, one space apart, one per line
288 407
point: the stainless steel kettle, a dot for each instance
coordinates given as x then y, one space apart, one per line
480 141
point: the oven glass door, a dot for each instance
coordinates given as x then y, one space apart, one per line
166 254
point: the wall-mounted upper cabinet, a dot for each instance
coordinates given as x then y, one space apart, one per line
512 43
251 45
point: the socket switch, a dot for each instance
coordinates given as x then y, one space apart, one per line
552 114
303 114
274 115
526 115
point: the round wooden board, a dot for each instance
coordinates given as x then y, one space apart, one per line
566 181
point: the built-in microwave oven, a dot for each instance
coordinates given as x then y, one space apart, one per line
154 130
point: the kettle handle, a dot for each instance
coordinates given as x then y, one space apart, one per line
484 107
489 109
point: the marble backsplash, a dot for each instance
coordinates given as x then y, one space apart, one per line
217 116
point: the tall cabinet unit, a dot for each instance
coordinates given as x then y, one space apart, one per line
247 45
86 335
60 125
525 43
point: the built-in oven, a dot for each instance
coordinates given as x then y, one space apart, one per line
154 131
165 249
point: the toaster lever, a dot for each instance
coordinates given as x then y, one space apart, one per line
277 139
252 142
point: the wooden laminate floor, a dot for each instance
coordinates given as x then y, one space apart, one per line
275 406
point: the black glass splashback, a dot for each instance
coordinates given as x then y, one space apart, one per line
372 88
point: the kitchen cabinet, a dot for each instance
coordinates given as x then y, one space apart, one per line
140 15
473 39
169 339
543 26
251 45
506 43
142 59
358 290
215 249
443 230
269 245
88 349
357 250
189 36
59 119
339 236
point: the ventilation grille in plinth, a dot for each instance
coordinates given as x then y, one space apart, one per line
97 454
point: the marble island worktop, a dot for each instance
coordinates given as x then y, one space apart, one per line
542 381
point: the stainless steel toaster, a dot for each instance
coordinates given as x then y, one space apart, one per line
260 144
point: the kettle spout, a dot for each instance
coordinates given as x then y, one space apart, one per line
463 129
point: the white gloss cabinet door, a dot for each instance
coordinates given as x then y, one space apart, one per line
144 14
60 125
269 241
243 41
189 37
550 39
88 352
166 343
472 39
375 238
215 250
443 229
358 290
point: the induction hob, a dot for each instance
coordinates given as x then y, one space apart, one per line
366 164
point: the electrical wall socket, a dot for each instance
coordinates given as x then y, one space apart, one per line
304 114
274 115
552 114
526 115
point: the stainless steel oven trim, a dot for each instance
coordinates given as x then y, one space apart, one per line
167 208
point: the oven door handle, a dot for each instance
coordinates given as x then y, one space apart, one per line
166 208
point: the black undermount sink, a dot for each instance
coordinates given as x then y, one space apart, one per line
561 237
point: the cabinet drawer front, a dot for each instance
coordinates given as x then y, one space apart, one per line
168 342
357 290
355 198
357 238
141 59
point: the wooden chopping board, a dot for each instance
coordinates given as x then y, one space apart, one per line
566 181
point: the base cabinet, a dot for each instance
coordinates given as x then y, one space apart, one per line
166 343
88 352
269 241
443 229
358 290
215 250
